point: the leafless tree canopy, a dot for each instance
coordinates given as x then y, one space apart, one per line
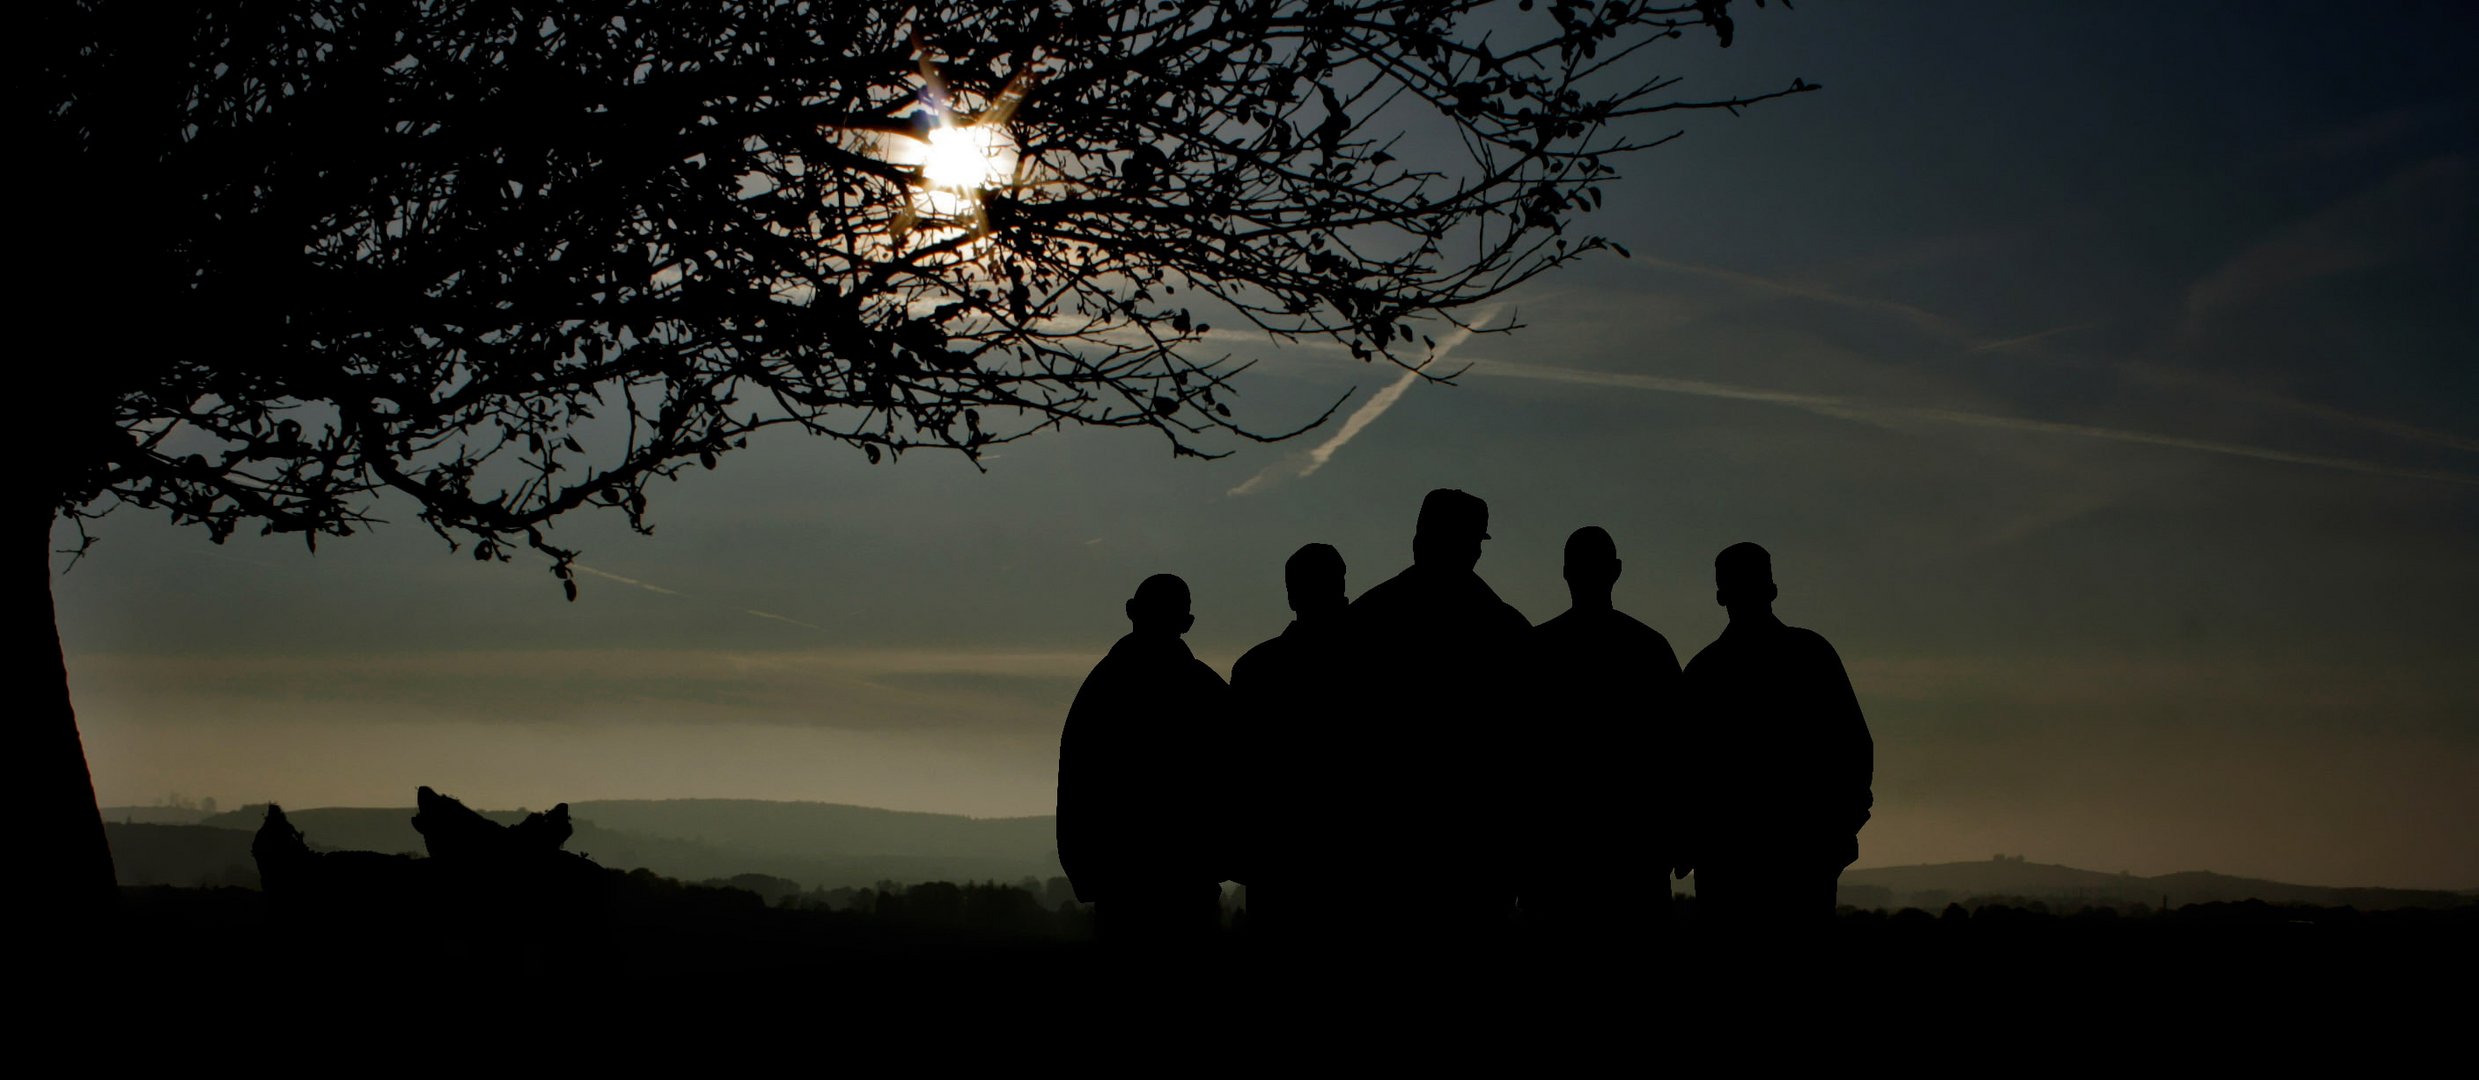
515 259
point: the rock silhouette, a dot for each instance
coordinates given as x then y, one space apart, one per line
295 875
496 893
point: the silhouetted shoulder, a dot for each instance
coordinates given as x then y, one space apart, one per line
1204 673
1749 641
1390 593
1652 639
1700 660
1504 613
1603 637
1813 638
1251 663
1515 620
1633 625
1610 622
1810 643
1711 654
1137 670
1419 595
1602 624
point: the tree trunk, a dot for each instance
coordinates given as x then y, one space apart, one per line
71 869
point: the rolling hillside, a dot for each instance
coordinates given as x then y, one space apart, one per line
828 845
1935 885
820 845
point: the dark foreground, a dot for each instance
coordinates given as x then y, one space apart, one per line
934 961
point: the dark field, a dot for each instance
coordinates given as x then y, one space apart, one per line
657 932
679 976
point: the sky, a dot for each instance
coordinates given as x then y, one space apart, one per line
2099 375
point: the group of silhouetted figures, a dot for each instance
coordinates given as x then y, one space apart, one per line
1423 764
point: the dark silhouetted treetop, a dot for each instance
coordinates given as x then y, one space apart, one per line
511 261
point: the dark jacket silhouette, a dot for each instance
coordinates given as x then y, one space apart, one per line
1601 831
1784 760
1437 701
1137 827
1293 693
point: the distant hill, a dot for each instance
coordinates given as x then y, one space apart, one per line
830 845
800 828
346 828
186 855
1936 885
156 815
820 845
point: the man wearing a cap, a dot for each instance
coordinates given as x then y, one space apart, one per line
1783 765
1437 710
1137 828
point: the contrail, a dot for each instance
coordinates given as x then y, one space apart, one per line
1844 408
2261 453
609 576
1303 465
1954 331
1923 318
652 587
781 618
1919 316
2239 391
2026 339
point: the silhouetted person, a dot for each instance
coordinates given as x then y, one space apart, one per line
1601 832
1783 764
1138 832
1436 698
1293 697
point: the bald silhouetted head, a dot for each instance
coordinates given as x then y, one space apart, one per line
1160 606
1591 567
1452 526
1313 579
1743 580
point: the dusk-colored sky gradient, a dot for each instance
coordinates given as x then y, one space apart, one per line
2101 377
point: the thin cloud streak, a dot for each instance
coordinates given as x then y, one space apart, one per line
781 618
1305 465
2238 391
2414 211
867 661
609 576
1939 325
654 588
1919 316
2026 339
1954 331
1844 408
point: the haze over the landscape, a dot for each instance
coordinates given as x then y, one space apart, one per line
2100 378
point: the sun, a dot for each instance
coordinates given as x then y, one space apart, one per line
958 161
966 157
